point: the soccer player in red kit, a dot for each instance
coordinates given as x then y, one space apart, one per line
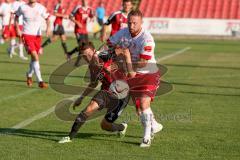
33 13
101 70
58 29
8 31
118 19
79 16
138 48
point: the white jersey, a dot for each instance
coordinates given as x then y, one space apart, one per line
5 11
141 46
32 18
15 6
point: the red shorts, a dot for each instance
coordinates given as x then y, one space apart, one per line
32 43
9 32
144 85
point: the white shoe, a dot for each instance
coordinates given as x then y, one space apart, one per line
65 140
157 128
123 132
11 55
145 143
23 58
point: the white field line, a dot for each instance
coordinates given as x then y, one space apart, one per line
174 54
50 110
17 95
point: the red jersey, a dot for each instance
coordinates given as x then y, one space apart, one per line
103 75
58 9
81 14
118 20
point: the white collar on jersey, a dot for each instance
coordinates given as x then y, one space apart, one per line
139 34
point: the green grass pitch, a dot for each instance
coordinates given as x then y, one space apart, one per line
200 116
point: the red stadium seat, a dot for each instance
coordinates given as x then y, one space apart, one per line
188 8
179 10
172 8
226 7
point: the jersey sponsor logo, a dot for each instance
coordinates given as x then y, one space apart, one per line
148 48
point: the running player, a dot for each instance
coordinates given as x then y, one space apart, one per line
138 48
8 31
15 5
33 13
58 29
106 74
79 16
118 19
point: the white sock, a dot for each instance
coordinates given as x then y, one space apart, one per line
153 120
12 47
31 70
21 50
146 117
36 67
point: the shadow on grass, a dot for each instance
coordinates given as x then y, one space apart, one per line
56 135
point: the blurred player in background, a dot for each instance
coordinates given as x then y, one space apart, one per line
138 48
15 5
101 69
58 29
1 27
80 16
117 19
8 31
100 13
33 13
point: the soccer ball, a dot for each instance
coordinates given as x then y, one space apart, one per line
119 88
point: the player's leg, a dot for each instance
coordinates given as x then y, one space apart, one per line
51 39
12 34
80 120
21 46
21 53
33 44
146 116
82 38
115 108
64 44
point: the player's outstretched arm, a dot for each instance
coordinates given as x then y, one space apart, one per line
48 30
86 92
17 26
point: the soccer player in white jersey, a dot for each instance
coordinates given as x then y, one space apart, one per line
138 48
8 31
15 5
33 13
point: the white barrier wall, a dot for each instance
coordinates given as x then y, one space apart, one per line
192 26
175 26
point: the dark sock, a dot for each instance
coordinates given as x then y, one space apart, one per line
75 50
47 42
64 45
79 121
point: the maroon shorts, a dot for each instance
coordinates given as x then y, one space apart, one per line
144 85
32 43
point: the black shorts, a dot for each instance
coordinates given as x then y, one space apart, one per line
100 21
114 106
81 38
58 30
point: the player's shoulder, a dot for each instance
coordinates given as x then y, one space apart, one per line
146 35
116 13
